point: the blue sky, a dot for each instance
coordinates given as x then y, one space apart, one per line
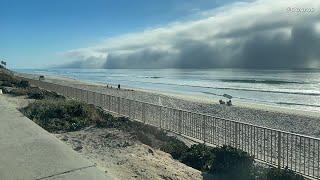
33 33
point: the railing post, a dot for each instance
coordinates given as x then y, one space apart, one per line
279 149
118 104
65 91
74 93
94 98
236 134
68 92
143 113
180 122
109 102
87 92
129 108
160 116
81 95
204 128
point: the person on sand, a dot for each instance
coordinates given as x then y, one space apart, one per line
229 103
221 101
118 86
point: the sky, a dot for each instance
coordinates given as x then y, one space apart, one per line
160 34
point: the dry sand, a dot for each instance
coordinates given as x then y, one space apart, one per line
301 122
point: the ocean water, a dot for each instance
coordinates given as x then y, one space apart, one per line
296 89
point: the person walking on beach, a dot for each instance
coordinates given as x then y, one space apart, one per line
119 86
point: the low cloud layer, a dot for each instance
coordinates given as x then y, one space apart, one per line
260 34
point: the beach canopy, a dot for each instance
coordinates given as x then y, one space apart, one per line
227 96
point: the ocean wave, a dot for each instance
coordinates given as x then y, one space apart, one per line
280 103
297 104
153 77
272 91
260 81
235 89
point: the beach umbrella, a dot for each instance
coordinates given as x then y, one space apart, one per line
227 96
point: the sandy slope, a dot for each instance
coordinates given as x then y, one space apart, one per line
116 153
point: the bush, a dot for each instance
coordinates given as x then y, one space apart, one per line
23 84
199 156
174 147
281 174
62 115
232 161
36 95
8 79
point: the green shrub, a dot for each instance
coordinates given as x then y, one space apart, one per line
198 156
23 84
8 79
56 115
36 95
281 174
232 161
174 147
7 84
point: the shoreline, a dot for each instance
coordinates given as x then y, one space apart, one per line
197 99
286 119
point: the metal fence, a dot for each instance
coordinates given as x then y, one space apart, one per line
278 148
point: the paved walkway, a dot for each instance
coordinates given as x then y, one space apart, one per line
29 152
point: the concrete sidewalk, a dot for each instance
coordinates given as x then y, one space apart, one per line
29 152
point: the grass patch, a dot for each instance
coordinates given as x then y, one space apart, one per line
62 115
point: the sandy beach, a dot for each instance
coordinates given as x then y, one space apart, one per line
296 121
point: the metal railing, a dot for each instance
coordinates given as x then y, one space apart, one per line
299 153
